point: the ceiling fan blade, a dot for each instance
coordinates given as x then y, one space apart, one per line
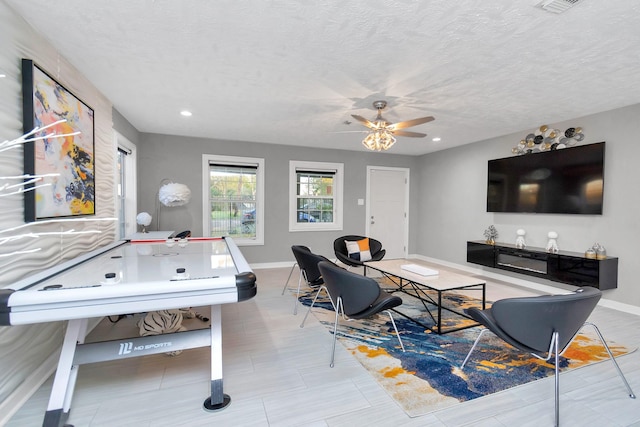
351 131
364 121
409 123
407 133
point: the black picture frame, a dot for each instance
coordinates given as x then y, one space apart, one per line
63 167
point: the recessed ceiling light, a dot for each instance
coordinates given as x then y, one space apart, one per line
186 113
436 139
2 75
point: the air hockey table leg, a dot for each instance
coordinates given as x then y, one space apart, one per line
66 374
218 400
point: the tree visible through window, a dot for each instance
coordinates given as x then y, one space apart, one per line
233 198
314 196
233 191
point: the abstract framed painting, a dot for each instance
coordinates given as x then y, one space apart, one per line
60 171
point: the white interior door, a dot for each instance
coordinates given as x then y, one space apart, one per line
388 209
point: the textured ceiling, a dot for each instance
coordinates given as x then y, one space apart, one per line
292 72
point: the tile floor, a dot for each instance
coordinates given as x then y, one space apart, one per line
278 374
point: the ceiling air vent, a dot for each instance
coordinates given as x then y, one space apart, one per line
557 6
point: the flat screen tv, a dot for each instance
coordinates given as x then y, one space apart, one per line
566 181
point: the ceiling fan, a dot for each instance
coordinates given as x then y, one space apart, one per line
382 134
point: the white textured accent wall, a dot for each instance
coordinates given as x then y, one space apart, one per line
25 348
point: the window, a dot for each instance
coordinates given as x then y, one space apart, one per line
234 194
125 188
121 188
315 196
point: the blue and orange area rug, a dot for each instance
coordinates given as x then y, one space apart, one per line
427 376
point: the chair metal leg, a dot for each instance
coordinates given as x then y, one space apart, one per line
348 266
613 359
395 329
554 346
335 333
554 339
289 278
313 302
473 347
295 303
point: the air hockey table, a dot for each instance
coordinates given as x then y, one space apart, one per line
132 277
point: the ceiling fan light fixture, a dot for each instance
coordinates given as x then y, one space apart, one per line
382 134
379 140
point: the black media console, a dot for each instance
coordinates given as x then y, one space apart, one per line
565 267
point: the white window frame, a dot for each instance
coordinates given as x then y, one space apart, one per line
338 170
131 182
208 159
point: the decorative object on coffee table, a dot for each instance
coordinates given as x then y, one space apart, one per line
491 234
552 245
520 244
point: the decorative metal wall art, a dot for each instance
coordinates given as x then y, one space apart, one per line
546 138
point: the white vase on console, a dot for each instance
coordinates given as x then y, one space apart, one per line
520 244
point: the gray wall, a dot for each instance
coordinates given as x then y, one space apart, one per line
452 200
126 129
448 191
447 196
179 159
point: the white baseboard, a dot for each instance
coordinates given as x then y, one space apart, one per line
627 308
267 265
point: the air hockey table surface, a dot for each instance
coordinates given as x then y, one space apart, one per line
132 277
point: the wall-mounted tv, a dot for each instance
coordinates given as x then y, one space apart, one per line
566 181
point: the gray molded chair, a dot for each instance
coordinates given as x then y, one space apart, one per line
308 264
183 234
355 297
543 324
340 249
